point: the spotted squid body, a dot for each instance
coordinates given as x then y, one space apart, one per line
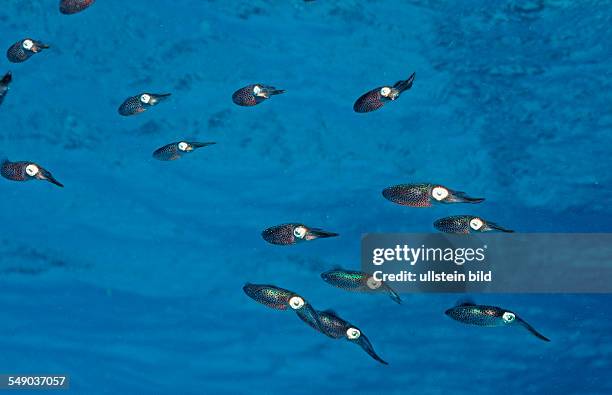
281 299
489 316
69 7
252 95
26 171
140 103
378 97
174 151
426 195
335 327
24 49
359 282
293 233
466 224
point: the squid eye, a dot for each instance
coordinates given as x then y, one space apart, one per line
31 170
299 232
353 333
385 91
439 193
183 146
27 44
145 98
373 283
508 317
256 89
296 303
476 223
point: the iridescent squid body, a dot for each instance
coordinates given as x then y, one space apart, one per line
141 103
26 171
425 195
24 49
281 299
73 6
252 95
489 316
335 327
376 98
293 233
4 85
176 150
358 282
466 224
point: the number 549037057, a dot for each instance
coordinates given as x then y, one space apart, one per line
35 381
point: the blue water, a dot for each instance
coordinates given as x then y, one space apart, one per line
130 278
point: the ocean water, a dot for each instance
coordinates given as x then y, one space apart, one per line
130 278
